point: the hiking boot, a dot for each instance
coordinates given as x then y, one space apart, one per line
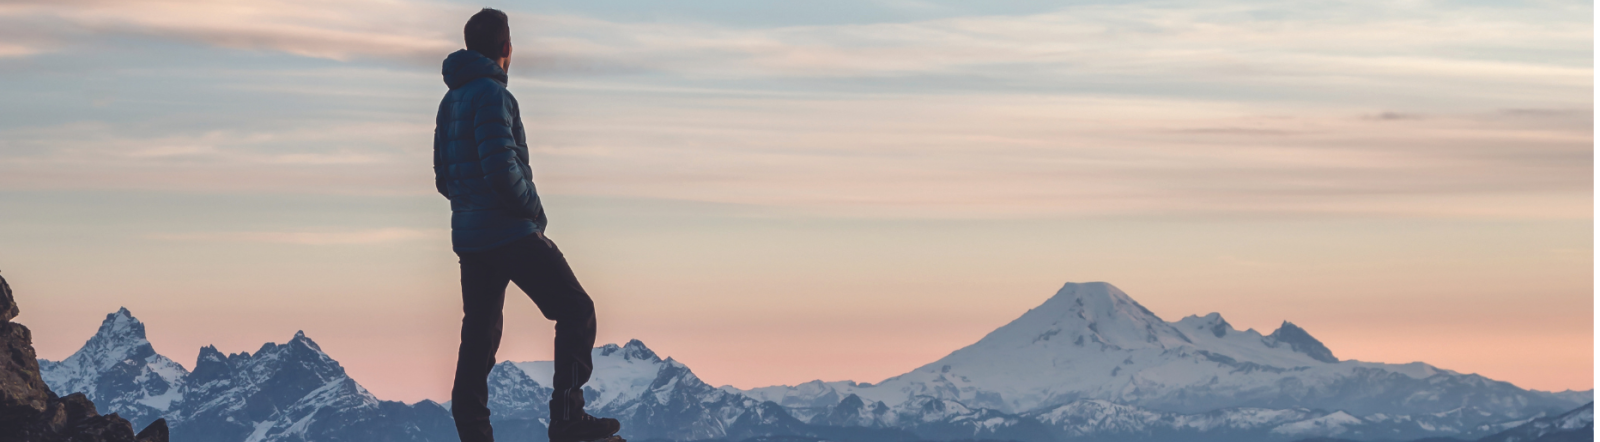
585 428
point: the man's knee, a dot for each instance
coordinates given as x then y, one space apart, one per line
462 414
578 312
583 311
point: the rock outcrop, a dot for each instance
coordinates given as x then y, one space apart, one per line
30 412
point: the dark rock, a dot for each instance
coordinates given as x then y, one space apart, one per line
8 305
78 407
108 428
30 412
155 432
1300 341
23 395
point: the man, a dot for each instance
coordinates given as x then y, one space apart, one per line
480 162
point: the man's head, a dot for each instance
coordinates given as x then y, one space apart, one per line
489 33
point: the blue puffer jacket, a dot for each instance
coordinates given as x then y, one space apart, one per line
480 157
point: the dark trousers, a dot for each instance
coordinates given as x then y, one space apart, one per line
541 271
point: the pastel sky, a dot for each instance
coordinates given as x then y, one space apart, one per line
775 192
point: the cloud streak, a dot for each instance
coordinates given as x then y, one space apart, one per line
1261 39
370 29
312 238
1399 109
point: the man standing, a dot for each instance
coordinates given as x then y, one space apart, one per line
480 162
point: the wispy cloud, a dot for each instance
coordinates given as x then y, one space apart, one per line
383 29
1258 39
1410 108
315 238
16 50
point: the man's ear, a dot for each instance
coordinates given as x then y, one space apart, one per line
505 49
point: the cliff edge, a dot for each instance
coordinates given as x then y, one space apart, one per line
30 412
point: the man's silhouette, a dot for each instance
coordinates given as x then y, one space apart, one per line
480 162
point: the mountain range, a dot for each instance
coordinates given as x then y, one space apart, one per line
1088 364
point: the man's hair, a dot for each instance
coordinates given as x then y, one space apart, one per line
487 32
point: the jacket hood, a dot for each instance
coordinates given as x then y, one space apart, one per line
463 66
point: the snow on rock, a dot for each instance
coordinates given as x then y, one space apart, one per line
119 370
1577 419
1089 362
1332 424
283 392
1577 424
621 374
292 392
1091 341
513 394
235 395
654 398
1087 418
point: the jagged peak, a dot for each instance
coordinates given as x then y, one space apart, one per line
210 353
512 370
119 338
1300 341
300 352
121 325
300 338
1211 323
633 350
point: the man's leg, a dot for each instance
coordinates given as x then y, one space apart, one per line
483 294
542 272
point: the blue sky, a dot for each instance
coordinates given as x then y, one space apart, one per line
758 188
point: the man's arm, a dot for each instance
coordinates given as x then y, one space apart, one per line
497 155
439 164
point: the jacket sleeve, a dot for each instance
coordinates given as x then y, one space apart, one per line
497 154
440 174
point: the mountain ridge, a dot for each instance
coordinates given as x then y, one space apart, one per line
1092 341
1088 364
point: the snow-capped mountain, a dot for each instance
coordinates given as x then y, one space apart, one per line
1574 425
292 392
284 392
119 370
1089 364
651 396
1091 345
654 399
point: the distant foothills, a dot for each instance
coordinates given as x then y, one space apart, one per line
1090 364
